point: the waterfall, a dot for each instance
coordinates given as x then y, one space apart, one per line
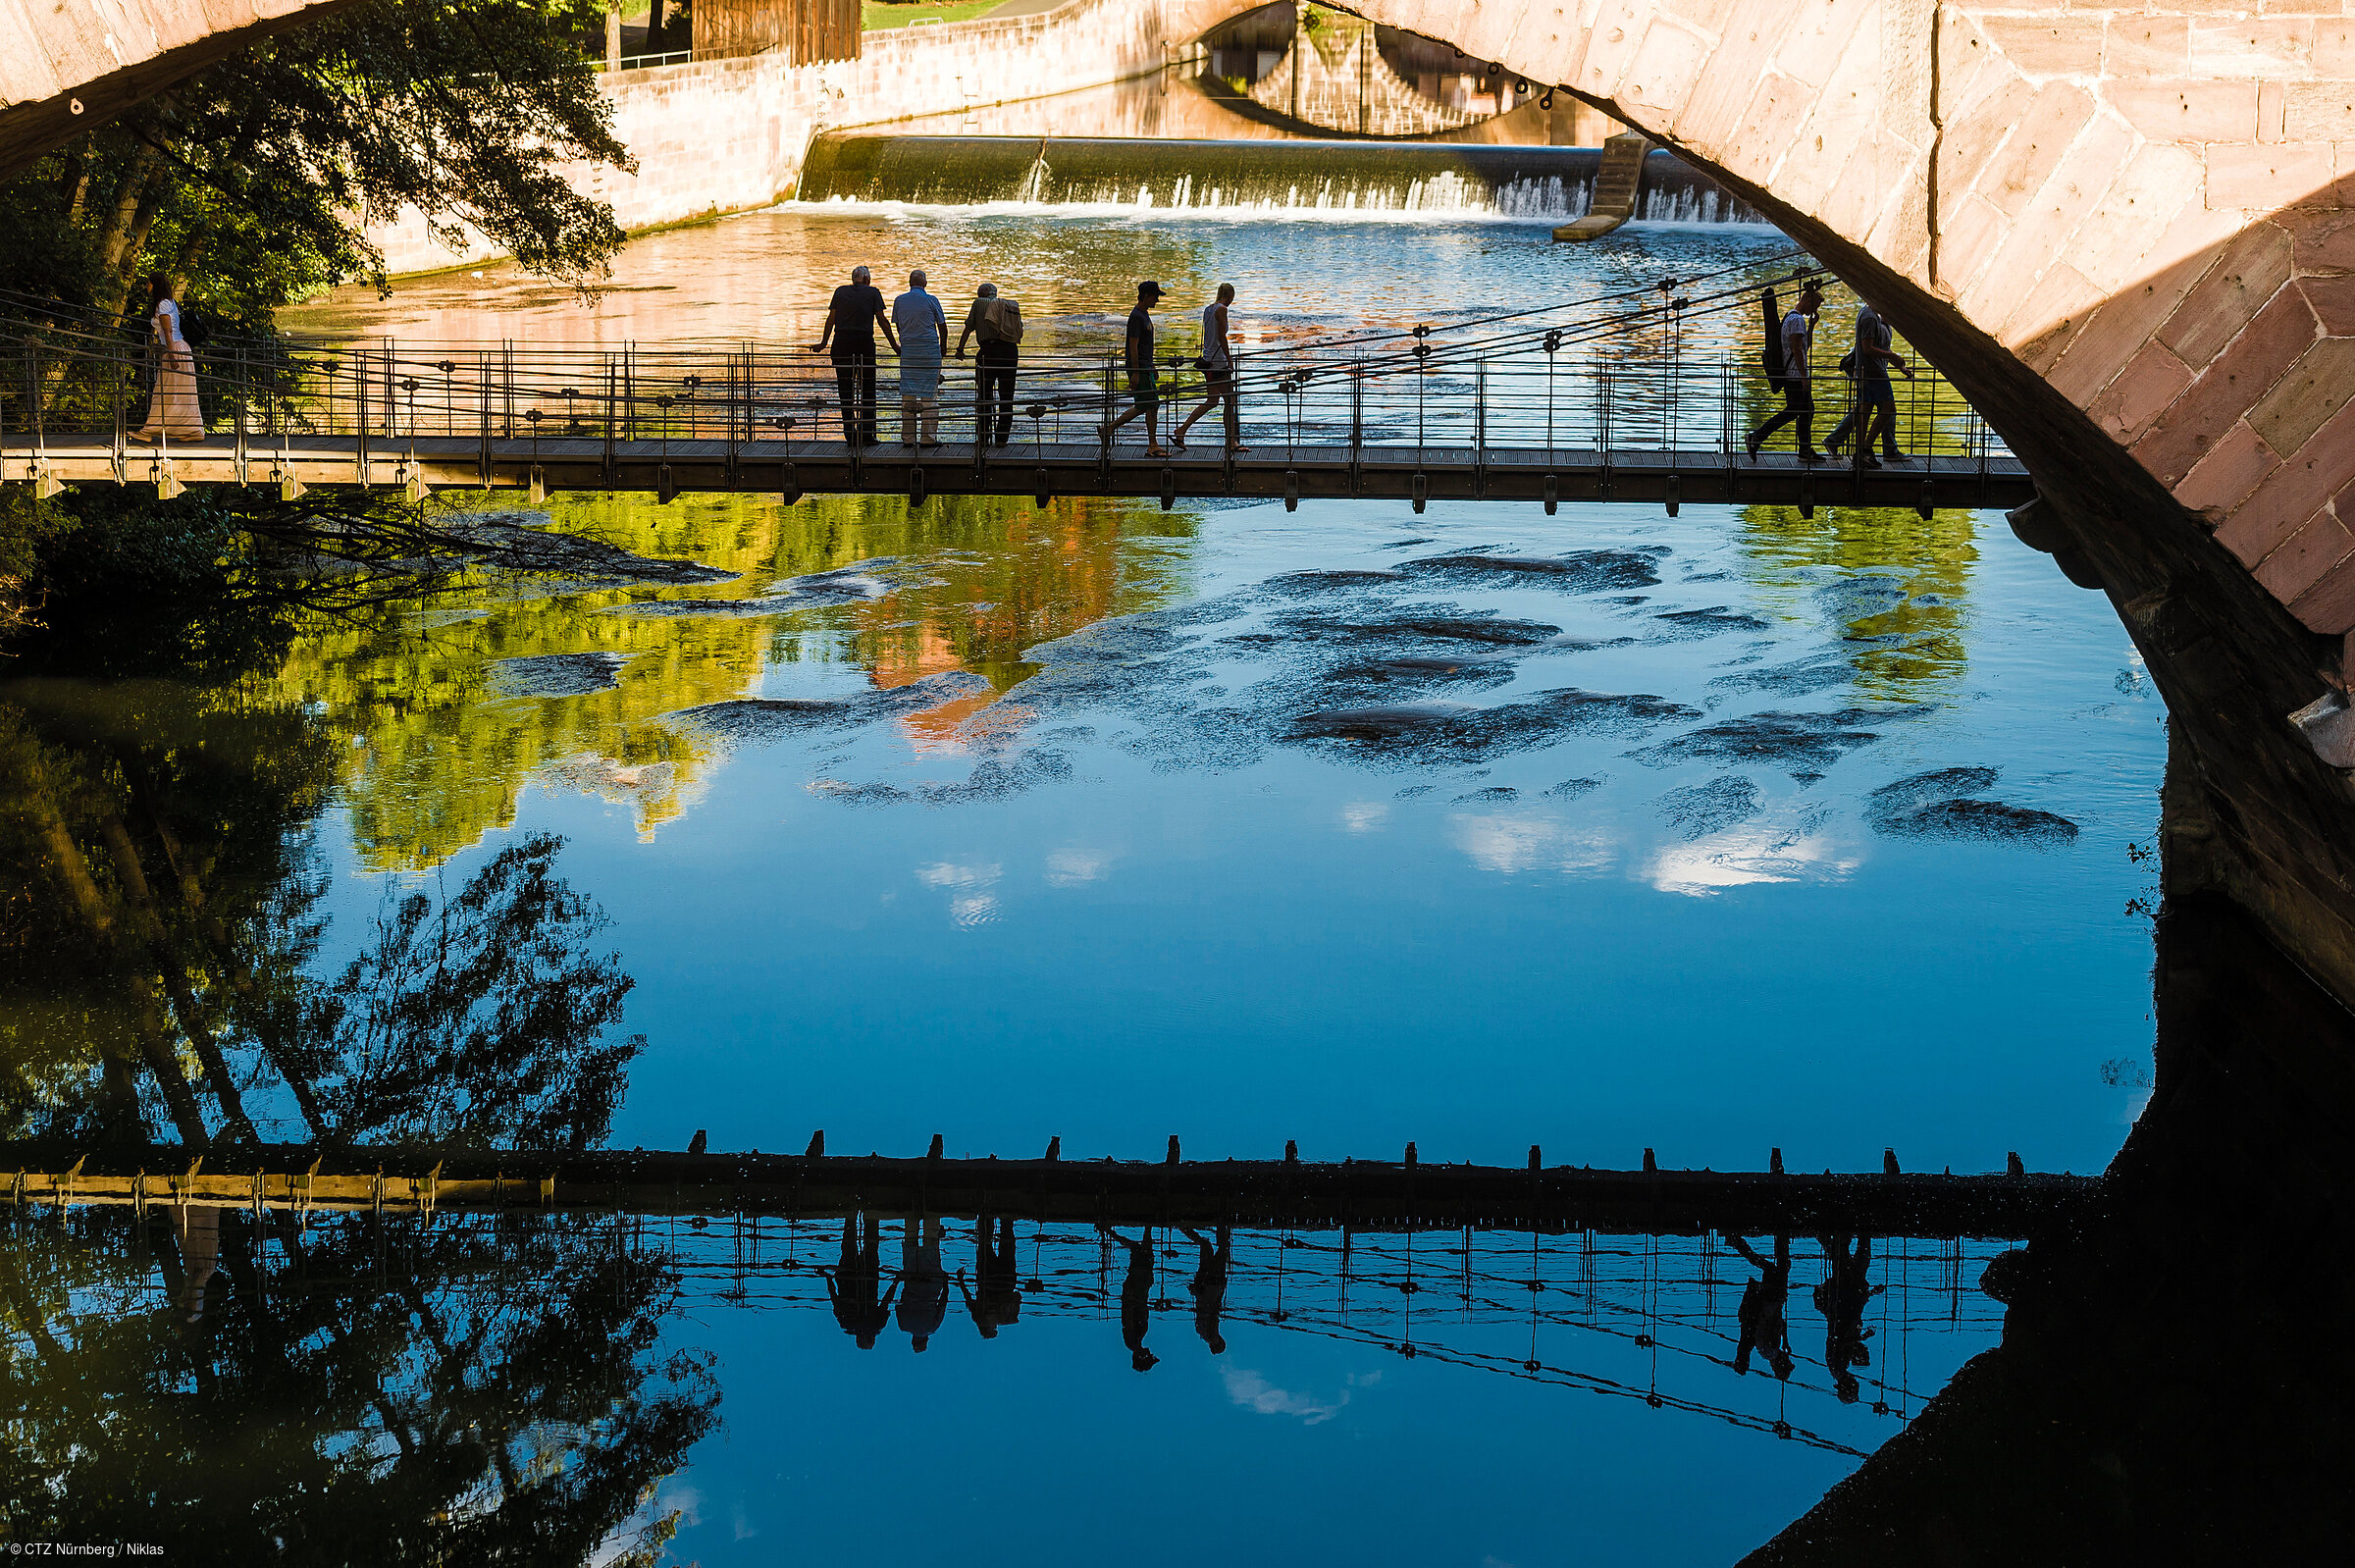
1247 179
1034 183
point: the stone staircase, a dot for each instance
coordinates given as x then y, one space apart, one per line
1617 183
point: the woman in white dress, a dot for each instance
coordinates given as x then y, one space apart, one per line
172 407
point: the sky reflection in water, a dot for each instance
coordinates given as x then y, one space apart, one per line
1107 868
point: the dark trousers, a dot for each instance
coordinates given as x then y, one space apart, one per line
995 372
1876 405
855 380
1798 407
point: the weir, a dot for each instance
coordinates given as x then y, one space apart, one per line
1553 184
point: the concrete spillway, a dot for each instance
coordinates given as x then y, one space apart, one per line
1552 183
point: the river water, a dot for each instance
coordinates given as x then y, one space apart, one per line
1823 835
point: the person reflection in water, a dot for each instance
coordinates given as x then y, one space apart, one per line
197 1227
854 1283
998 1301
1136 1297
1209 1285
1762 1314
1841 1297
923 1282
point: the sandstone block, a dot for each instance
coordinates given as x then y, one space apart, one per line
1971 141
2302 560
1970 234
1664 70
1610 43
2248 368
2063 45
1713 117
2265 47
2158 182
2319 111
2147 46
2141 391
2062 297
2220 481
2333 54
2257 177
2057 116
1817 37
2321 239
2254 266
2123 323
2316 386
1768 128
2328 608
2334 302
2187 110
2293 493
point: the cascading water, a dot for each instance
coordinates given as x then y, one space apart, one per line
1258 178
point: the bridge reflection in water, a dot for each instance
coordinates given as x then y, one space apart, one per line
1815 1320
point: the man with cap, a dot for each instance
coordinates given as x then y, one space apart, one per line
1144 386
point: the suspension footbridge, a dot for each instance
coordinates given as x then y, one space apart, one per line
1608 405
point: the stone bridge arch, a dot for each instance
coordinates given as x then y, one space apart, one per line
66 65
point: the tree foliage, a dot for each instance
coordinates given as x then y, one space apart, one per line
252 183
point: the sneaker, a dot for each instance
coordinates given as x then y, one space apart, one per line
1868 462
1753 444
1810 455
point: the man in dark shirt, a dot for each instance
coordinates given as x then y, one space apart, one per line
851 318
854 1286
1144 386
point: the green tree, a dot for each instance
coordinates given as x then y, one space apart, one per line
250 184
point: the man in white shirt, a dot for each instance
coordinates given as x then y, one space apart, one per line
1799 398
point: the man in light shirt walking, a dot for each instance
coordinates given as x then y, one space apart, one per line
1799 397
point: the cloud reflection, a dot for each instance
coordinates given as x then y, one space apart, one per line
1508 842
1071 867
969 904
1254 1393
1748 854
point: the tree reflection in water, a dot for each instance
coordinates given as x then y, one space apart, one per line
235 1386
347 1393
161 937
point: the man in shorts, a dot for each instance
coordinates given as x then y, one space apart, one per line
1144 386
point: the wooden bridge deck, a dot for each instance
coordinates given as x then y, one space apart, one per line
1362 1195
1270 470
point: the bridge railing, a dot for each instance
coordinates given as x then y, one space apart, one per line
1523 401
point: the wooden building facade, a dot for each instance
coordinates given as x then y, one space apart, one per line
803 31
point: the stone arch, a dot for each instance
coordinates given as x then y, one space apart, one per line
64 68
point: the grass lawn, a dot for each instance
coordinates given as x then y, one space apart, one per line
877 15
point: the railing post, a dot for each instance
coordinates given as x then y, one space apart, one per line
482 399
1480 428
612 469
359 449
